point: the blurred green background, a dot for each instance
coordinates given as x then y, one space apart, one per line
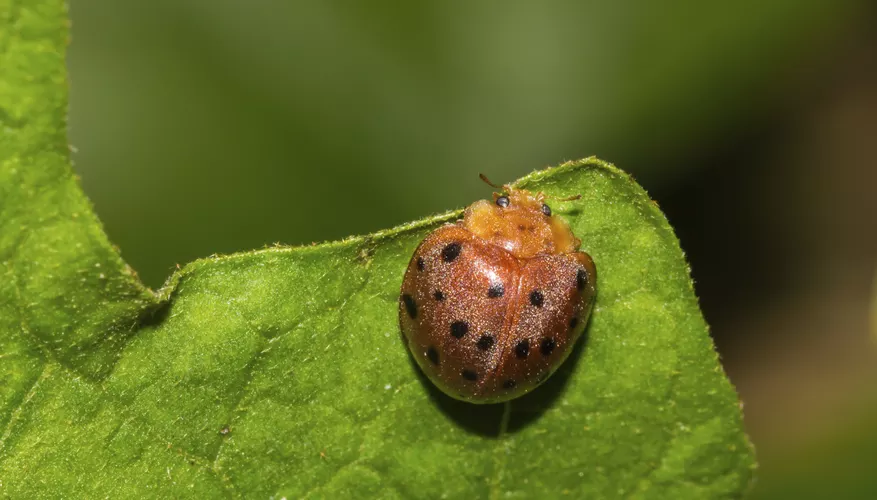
214 127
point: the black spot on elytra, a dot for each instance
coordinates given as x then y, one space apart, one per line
485 342
459 329
509 384
581 279
438 295
502 201
536 298
433 355
573 322
451 251
410 305
420 264
495 290
469 375
522 349
547 346
522 227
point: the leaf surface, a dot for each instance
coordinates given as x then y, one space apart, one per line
281 372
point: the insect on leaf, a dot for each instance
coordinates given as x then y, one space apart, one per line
281 372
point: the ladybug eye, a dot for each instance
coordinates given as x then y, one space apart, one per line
503 201
546 209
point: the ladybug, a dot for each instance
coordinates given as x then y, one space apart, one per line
492 305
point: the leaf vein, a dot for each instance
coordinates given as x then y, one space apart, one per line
16 413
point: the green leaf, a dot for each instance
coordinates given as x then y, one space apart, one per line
281 372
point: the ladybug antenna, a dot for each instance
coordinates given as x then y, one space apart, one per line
568 198
487 181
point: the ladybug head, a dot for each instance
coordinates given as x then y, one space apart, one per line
521 222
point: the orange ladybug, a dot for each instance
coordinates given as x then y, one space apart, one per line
491 305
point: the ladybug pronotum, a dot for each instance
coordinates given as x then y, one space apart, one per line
492 305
